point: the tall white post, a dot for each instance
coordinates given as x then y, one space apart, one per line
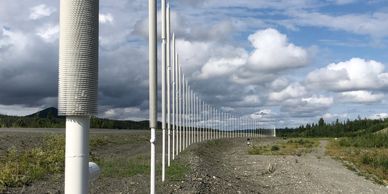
163 7
77 154
190 115
184 103
78 86
180 129
274 132
168 61
152 85
174 92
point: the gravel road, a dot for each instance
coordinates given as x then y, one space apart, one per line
230 169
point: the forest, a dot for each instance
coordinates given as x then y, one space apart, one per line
338 128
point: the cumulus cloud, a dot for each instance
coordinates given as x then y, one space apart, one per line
361 96
273 52
222 66
308 106
41 11
354 74
294 90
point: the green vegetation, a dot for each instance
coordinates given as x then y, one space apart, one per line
368 155
124 167
21 167
48 118
119 167
18 168
366 141
177 171
335 129
290 147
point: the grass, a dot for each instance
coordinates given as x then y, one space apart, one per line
177 171
290 147
365 156
119 167
18 168
21 167
366 141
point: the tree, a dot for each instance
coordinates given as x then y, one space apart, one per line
321 122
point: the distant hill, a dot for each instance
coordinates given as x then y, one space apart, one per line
46 113
48 118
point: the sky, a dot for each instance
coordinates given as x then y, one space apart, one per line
283 62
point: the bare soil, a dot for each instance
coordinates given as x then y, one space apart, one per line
220 166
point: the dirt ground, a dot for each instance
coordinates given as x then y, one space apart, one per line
221 166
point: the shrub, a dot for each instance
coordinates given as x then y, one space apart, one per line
275 148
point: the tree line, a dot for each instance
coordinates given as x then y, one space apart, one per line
337 128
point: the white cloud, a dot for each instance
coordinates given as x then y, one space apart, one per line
355 74
279 84
361 96
41 11
124 113
332 116
344 2
308 106
250 100
222 66
49 33
273 52
372 24
320 101
13 39
294 90
105 18
378 116
18 110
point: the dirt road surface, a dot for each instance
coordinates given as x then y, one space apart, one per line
220 166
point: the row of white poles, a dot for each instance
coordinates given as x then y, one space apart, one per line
186 117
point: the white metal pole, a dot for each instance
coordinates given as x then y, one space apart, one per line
164 57
174 132
190 99
203 121
77 155
187 113
184 112
180 129
168 62
78 86
198 119
274 131
152 85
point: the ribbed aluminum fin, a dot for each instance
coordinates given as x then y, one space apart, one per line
78 58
